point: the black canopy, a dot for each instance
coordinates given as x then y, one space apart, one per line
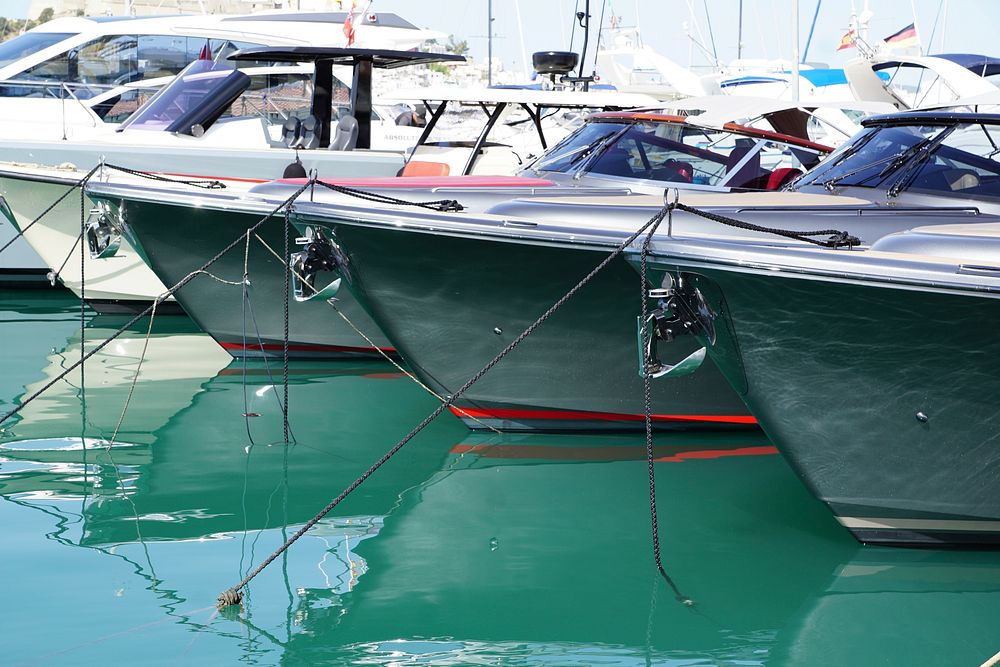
362 61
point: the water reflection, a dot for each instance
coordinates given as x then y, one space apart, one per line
464 549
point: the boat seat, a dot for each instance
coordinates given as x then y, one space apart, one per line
674 171
781 177
614 162
961 179
947 179
345 134
424 168
309 132
748 172
290 131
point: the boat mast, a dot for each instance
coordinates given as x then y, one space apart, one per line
489 43
739 34
795 50
520 34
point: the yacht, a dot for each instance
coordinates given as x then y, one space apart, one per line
78 77
172 217
507 262
193 129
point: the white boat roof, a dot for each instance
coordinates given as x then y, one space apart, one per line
545 98
721 109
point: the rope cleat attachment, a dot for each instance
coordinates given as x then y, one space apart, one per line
679 311
320 254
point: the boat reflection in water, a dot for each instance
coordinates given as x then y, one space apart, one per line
462 549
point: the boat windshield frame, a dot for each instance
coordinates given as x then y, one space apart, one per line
192 102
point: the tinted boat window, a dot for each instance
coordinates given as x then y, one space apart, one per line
964 163
872 158
198 96
118 59
572 150
675 152
30 42
670 152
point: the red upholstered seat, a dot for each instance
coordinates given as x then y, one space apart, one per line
415 168
781 176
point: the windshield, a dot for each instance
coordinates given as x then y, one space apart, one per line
30 42
678 152
196 97
954 160
577 146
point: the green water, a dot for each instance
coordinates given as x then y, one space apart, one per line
462 550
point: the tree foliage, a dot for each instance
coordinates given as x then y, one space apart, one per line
10 28
459 47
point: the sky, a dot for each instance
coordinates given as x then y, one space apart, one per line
962 25
967 26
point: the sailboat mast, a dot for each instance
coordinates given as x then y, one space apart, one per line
795 50
489 43
739 33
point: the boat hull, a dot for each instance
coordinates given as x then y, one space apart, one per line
120 278
879 396
451 303
175 240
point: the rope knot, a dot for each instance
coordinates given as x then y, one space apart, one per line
228 598
842 239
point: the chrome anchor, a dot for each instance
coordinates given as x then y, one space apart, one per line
680 312
319 254
103 235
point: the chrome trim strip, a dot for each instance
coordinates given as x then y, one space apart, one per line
919 524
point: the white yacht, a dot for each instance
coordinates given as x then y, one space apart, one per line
77 78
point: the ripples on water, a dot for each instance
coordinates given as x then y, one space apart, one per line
463 550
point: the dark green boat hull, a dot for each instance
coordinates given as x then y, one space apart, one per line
884 398
176 239
451 303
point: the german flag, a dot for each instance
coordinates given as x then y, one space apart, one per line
904 38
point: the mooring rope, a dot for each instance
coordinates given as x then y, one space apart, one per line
376 347
206 184
69 190
135 378
284 339
234 595
444 205
54 275
647 404
838 238
83 284
169 292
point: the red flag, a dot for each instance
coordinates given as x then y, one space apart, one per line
206 52
349 24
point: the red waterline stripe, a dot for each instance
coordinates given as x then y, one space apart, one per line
578 415
614 453
303 347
